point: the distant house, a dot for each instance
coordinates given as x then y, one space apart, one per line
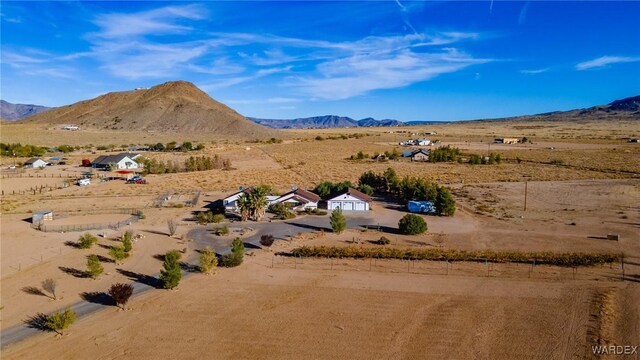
35 163
633 140
381 157
298 199
39 217
420 155
121 161
506 140
349 200
84 182
407 153
422 142
71 128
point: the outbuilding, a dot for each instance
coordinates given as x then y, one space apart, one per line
349 200
35 163
41 216
420 155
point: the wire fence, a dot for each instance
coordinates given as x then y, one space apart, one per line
610 272
135 216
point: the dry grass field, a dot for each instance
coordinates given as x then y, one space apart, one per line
583 183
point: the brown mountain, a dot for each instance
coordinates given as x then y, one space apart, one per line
176 106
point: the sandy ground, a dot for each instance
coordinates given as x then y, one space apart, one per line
349 309
259 312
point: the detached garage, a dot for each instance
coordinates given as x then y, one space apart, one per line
349 200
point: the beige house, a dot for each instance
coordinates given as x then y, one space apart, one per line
506 140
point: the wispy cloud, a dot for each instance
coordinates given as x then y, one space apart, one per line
534 71
604 61
160 21
357 75
36 63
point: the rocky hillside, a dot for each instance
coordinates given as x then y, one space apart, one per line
176 106
13 112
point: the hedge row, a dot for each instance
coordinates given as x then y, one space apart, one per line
549 258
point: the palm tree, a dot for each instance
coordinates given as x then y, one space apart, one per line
259 201
245 204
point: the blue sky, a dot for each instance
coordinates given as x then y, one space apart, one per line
385 59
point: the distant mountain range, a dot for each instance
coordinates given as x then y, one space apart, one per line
182 107
326 121
13 112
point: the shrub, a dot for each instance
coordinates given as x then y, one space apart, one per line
267 240
237 254
223 230
384 241
203 217
121 293
281 211
412 224
60 321
49 285
86 241
127 244
117 253
440 254
338 221
94 267
172 226
218 218
171 274
366 189
208 260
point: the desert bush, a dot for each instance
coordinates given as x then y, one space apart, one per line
208 260
267 240
314 211
440 254
384 241
237 254
171 274
412 224
121 293
117 253
60 321
172 225
556 162
86 241
281 211
338 221
223 230
49 285
127 243
94 267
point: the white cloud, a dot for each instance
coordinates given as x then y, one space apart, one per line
604 61
534 71
357 75
157 22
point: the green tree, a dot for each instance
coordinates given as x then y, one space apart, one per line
60 321
208 260
117 253
338 221
171 274
445 203
366 189
412 224
245 205
186 146
94 267
86 241
127 243
236 256
323 189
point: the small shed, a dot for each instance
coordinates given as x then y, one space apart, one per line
41 216
420 155
424 207
35 163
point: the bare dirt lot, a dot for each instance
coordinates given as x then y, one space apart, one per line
583 183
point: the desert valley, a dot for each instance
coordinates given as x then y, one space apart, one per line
525 242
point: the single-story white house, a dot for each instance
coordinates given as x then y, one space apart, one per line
41 216
35 163
422 142
122 161
84 182
298 199
349 200
231 202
